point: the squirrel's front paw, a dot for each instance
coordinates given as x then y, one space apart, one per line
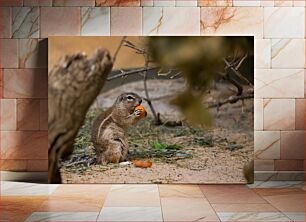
140 111
137 112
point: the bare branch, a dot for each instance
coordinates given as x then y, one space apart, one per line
118 49
175 75
232 99
126 73
131 45
160 73
241 61
235 83
236 71
145 77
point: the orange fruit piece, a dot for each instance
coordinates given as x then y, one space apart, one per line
142 164
142 109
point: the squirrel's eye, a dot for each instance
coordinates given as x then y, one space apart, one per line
130 98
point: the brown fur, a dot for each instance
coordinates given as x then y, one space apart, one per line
109 129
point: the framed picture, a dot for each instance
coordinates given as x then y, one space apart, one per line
171 109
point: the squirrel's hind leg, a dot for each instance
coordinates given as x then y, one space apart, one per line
100 158
113 154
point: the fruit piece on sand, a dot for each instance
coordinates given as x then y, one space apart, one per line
142 164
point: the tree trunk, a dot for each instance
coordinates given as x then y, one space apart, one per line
74 83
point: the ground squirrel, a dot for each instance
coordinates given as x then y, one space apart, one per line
109 135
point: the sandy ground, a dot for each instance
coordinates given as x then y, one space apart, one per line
212 166
220 162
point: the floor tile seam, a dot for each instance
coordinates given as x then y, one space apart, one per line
209 203
278 210
160 203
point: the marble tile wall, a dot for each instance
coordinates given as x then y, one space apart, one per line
280 83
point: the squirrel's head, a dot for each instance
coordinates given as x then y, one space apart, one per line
128 101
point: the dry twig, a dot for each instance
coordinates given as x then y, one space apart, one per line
231 99
132 46
131 72
235 69
148 100
118 49
142 51
234 66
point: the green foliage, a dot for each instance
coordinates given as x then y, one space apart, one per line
158 146
161 146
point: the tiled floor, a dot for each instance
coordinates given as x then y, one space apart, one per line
270 201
